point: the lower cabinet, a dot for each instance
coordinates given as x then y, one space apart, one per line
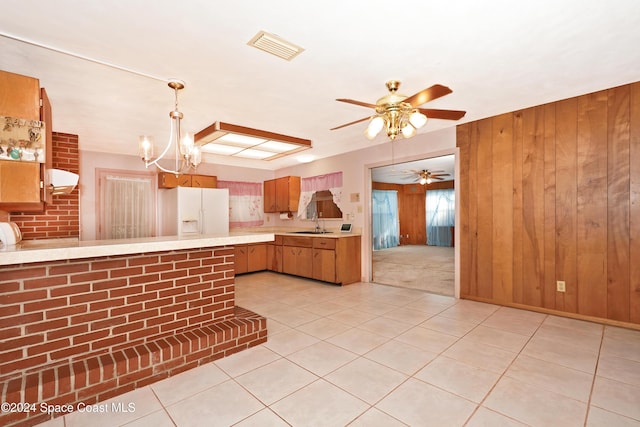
329 259
250 258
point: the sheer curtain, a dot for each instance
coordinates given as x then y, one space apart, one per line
308 186
127 207
245 203
386 225
441 208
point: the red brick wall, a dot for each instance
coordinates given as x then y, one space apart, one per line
57 311
62 217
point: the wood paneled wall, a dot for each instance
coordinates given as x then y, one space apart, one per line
412 209
553 193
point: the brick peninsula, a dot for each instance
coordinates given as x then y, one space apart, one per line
84 321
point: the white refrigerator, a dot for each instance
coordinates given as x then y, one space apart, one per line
188 211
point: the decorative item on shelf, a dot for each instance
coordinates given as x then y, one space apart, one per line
399 115
187 154
22 139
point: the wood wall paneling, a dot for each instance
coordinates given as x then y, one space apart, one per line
549 291
592 204
463 140
484 202
618 200
502 208
553 193
533 206
634 209
566 203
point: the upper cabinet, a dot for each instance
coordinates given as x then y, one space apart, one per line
20 96
282 194
170 180
21 182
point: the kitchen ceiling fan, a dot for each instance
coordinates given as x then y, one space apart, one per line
400 114
426 176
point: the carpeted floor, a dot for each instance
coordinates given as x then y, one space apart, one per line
428 268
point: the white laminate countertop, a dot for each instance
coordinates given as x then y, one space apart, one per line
58 249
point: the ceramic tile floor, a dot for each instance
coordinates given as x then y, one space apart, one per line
375 355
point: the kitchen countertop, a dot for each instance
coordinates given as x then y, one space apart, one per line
57 249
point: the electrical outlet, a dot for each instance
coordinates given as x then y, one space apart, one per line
561 286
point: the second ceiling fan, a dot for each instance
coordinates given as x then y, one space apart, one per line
400 114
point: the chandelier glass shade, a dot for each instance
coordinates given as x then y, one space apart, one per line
187 154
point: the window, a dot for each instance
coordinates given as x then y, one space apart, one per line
320 196
441 208
126 204
245 203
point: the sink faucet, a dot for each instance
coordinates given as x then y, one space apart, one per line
317 220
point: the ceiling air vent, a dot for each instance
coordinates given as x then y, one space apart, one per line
275 45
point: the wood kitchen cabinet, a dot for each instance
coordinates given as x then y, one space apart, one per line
170 180
324 259
240 259
297 256
274 255
21 183
250 258
281 194
204 181
334 260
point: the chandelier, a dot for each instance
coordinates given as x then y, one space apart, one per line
187 154
395 116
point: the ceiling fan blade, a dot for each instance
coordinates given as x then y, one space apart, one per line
429 94
349 124
435 177
360 103
442 114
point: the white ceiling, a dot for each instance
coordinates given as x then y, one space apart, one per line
496 55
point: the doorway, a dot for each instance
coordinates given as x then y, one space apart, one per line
410 259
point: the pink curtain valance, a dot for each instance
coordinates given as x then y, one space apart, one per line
240 188
321 182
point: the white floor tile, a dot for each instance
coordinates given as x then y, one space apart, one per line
365 379
419 404
402 357
322 357
320 404
614 396
221 405
188 383
272 382
458 378
534 406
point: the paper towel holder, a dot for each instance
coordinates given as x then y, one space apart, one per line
286 215
60 181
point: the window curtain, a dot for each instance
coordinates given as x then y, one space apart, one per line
441 207
386 224
308 186
127 207
245 203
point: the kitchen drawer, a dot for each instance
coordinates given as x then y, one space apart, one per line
299 241
324 243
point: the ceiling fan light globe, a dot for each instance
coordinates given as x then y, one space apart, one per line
428 181
375 126
423 181
408 130
417 119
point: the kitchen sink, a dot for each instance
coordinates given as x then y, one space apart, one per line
312 232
